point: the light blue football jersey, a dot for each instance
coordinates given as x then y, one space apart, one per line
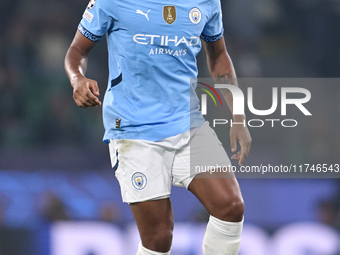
152 48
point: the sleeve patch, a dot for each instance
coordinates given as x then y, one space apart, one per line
88 16
214 38
88 34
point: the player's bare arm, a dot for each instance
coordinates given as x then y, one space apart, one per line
85 91
222 70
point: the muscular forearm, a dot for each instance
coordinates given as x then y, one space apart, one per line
223 72
85 91
75 63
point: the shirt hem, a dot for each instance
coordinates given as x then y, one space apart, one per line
150 134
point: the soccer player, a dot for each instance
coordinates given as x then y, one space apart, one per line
153 124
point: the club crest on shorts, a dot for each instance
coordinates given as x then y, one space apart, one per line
91 4
139 180
169 14
195 15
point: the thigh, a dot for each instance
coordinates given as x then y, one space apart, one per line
155 223
217 190
220 195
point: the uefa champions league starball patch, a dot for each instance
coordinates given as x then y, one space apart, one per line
91 4
195 15
139 180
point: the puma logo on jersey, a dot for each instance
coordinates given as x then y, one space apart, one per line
145 14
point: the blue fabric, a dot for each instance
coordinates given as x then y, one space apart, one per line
154 45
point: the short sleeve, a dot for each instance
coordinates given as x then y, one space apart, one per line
213 29
95 22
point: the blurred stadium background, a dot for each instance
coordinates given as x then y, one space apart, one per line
58 194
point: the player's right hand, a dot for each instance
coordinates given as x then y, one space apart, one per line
85 92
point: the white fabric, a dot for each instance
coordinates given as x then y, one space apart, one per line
222 237
146 170
144 251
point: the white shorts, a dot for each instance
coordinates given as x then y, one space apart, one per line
147 170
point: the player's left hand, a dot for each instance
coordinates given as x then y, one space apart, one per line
241 134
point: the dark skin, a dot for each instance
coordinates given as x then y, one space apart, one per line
85 91
220 196
222 70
